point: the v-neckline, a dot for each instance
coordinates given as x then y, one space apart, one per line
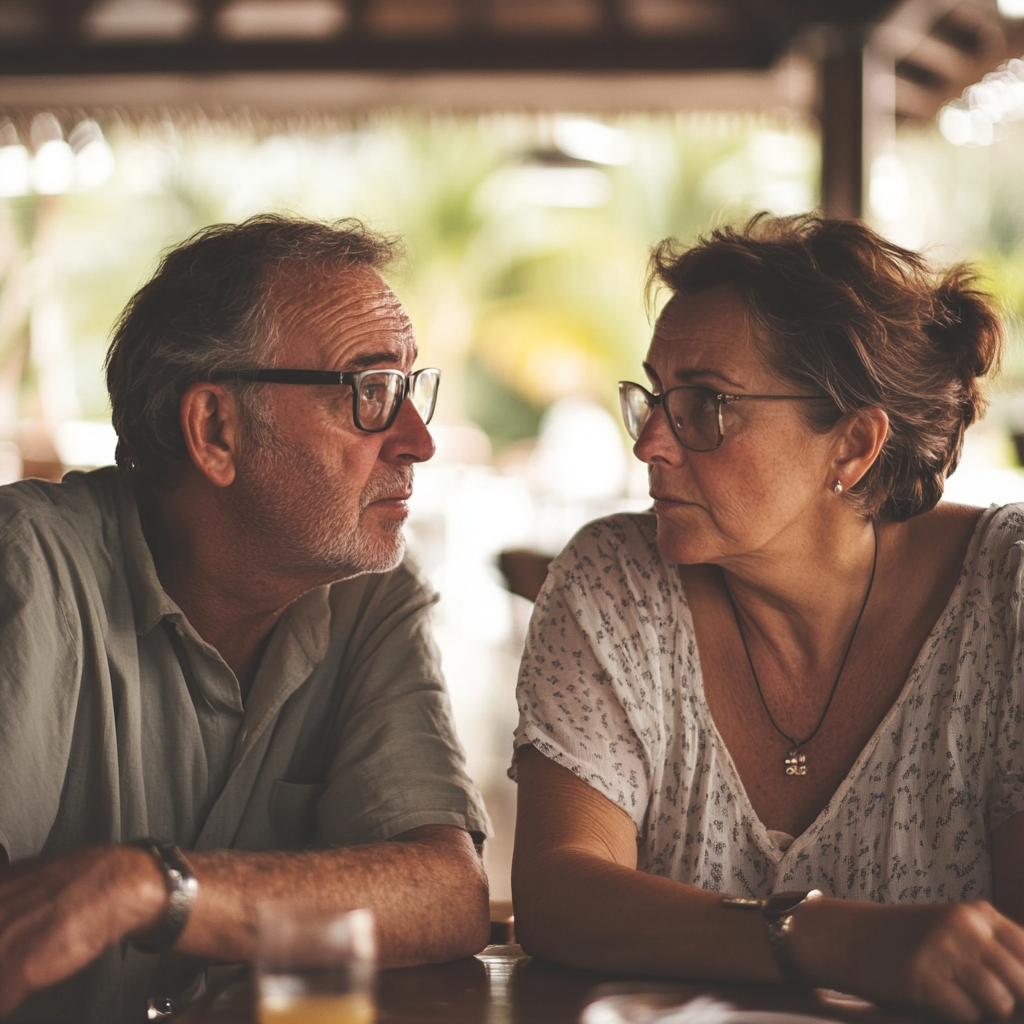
926 651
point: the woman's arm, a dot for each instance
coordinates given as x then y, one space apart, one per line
580 900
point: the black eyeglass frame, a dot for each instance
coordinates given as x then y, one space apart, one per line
353 378
721 399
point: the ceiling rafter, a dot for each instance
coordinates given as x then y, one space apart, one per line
361 52
936 46
65 18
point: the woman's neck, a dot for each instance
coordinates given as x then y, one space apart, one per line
801 599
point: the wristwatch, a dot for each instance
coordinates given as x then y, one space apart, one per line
778 911
182 889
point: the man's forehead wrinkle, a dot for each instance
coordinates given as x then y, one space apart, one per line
346 306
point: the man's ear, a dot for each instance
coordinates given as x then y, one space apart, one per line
210 423
861 436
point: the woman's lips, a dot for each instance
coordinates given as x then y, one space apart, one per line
663 503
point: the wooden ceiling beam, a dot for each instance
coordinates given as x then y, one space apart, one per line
938 47
612 16
208 11
772 18
64 18
469 52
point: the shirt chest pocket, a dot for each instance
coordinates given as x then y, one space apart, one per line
293 813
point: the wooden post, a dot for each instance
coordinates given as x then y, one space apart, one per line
842 125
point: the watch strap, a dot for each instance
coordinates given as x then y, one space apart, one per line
778 912
182 888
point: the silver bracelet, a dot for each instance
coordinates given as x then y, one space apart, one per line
182 889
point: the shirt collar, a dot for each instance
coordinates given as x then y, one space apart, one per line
150 602
307 619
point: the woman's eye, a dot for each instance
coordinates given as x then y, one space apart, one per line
705 400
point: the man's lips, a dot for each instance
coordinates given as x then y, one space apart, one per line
403 497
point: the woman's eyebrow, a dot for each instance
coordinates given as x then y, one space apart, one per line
705 374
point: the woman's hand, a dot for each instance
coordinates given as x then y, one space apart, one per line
963 960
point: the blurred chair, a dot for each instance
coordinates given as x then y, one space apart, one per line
524 571
503 925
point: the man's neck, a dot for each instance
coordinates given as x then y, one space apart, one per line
205 566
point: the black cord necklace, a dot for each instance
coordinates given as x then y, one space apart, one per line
796 761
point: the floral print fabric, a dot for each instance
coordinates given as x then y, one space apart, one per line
610 687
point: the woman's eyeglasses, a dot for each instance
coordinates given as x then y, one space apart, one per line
377 395
694 414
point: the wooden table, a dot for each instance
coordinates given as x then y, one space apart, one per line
502 985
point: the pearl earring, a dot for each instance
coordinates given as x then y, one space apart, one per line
838 489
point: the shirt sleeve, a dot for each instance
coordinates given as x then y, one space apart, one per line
39 684
397 762
589 682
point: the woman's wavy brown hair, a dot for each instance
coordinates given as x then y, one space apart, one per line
846 313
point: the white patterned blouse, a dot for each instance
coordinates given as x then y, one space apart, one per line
610 688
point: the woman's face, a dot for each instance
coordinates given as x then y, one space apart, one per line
768 483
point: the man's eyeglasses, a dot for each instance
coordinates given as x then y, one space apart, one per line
694 414
377 395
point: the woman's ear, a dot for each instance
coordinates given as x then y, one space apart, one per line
861 435
209 421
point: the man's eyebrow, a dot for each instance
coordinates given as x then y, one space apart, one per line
371 359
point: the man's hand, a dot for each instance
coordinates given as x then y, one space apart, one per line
58 913
427 889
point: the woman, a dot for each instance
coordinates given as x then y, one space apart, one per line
801 672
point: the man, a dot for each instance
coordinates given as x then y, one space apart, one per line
180 660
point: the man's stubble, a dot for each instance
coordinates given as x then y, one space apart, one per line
300 522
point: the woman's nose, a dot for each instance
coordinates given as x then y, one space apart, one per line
656 442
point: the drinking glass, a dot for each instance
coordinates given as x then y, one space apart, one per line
314 966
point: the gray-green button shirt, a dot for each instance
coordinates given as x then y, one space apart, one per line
118 720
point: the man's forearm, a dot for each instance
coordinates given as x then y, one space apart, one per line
427 890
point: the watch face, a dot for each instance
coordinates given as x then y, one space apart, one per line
781 903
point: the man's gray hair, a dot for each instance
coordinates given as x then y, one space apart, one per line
208 308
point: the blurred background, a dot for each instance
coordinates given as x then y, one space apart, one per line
530 152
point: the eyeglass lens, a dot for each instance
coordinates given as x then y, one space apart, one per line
380 394
692 414
378 397
636 408
423 392
693 417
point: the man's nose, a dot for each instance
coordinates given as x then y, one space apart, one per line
408 440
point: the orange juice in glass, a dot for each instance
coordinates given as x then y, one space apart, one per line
314 966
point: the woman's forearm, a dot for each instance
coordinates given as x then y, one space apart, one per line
963 960
582 910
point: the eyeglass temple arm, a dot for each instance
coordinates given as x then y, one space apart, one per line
283 376
773 398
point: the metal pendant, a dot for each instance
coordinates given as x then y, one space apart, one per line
796 763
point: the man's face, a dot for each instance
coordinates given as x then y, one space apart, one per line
328 500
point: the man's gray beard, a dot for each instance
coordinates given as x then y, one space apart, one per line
281 498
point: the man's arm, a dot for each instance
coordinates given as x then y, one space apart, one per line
426 888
